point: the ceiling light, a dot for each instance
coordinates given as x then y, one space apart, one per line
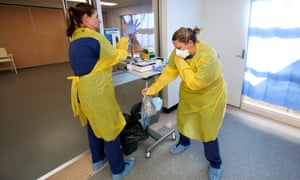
84 1
102 2
108 3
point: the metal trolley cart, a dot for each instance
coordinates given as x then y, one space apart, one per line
158 137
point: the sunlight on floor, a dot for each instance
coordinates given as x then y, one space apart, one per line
265 124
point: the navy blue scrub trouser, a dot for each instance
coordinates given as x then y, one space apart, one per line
211 150
110 150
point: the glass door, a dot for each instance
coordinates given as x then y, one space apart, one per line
272 76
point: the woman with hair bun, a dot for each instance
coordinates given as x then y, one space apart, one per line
202 95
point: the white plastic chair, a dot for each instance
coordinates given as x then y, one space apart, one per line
7 58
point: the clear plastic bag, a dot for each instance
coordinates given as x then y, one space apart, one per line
147 111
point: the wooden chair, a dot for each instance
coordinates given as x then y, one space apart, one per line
7 58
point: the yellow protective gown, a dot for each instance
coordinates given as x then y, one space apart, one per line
95 91
202 95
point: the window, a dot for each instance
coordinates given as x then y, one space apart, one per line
144 36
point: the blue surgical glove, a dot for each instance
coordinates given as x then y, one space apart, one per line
131 27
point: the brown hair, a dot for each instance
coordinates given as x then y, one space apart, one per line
184 34
75 14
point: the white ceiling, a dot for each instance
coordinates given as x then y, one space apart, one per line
58 3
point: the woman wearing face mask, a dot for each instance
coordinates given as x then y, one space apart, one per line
202 96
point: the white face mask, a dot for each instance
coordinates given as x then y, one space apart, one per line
182 53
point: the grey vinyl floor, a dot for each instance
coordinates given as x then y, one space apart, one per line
39 133
249 151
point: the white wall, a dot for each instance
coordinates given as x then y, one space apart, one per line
174 14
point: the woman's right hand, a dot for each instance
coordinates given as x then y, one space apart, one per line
144 91
123 43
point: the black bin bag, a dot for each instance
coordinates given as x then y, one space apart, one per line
133 131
